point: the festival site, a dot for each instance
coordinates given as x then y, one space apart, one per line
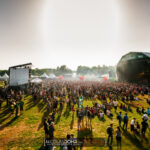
74 74
75 112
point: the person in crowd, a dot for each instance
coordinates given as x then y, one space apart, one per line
12 107
110 131
79 120
136 98
125 121
138 110
137 128
115 103
144 127
118 137
53 116
69 146
143 110
121 106
119 117
51 130
132 124
46 126
50 119
73 138
145 117
109 114
21 105
89 118
101 115
148 111
17 108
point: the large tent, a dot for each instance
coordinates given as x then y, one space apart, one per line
4 77
36 80
52 76
44 76
134 67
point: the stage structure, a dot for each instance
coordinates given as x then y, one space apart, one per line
20 75
134 67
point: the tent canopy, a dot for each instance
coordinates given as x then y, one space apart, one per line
4 77
44 75
36 80
52 76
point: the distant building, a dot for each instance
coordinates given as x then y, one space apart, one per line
134 67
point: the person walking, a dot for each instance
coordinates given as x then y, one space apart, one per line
118 137
21 105
110 134
46 125
115 105
119 117
17 109
125 121
144 127
132 124
51 130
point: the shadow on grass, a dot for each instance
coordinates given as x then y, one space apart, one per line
103 120
128 104
58 118
44 109
134 140
8 123
41 105
67 112
2 120
45 115
85 133
5 112
31 103
72 121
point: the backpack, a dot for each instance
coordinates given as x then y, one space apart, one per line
118 117
125 118
109 130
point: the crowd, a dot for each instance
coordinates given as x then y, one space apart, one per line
56 94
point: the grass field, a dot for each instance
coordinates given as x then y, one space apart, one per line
26 131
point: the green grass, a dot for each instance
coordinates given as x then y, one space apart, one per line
26 131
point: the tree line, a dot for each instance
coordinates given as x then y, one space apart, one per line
81 70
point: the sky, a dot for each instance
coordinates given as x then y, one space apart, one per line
50 33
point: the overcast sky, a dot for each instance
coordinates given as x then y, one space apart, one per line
49 33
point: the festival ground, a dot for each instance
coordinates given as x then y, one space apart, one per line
26 131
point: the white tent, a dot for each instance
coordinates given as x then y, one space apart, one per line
33 76
5 77
44 75
52 76
36 80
